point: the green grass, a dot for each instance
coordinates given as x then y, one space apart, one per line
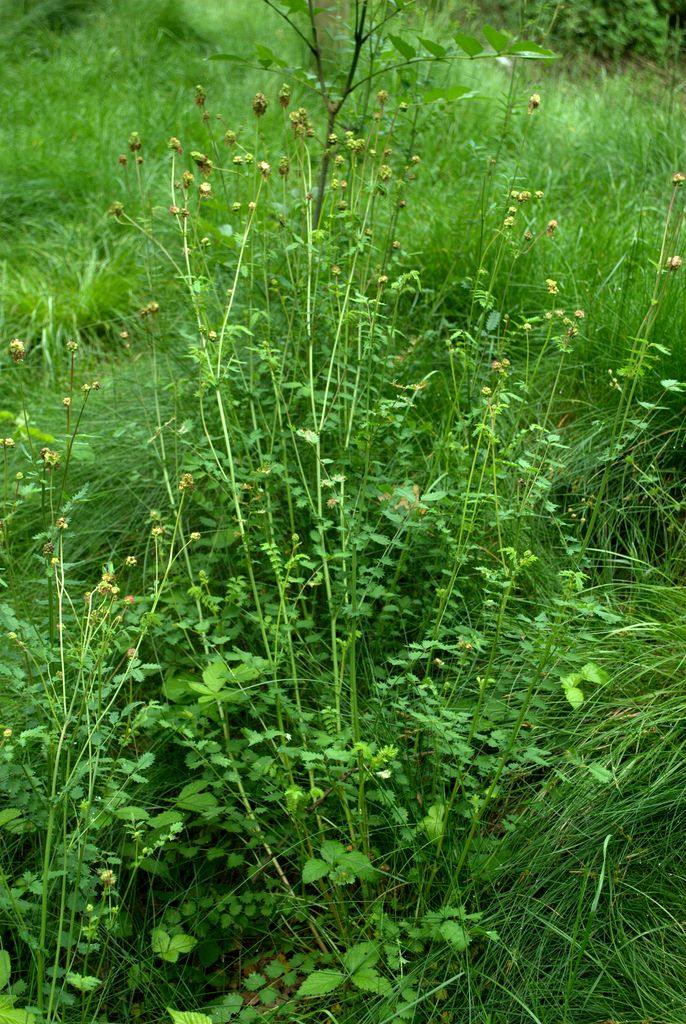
382 699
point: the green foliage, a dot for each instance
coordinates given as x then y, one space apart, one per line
609 28
341 623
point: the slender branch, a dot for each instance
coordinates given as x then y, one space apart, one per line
316 49
291 23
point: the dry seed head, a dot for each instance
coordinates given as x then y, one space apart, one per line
551 228
284 166
508 222
195 535
139 160
7 442
403 107
678 178
382 97
551 286
264 168
674 262
285 96
72 345
61 523
534 102
135 142
175 210
187 179
200 96
528 235
395 244
131 653
122 159
130 560
186 483
235 207
175 145
259 104
238 159
205 190
229 138
108 878
6 734
51 459
385 172
579 314
202 161
538 194
17 350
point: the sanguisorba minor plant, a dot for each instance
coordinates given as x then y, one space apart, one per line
347 701
342 611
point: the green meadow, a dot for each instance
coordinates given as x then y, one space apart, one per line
342 552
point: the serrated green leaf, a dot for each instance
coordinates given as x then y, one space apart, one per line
8 1016
492 320
471 46
599 772
369 980
331 850
575 696
359 865
433 822
5 968
9 814
83 982
456 934
176 688
498 40
672 385
364 954
131 813
320 983
255 981
314 869
191 798
402 46
170 947
593 673
435 49
188 1017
